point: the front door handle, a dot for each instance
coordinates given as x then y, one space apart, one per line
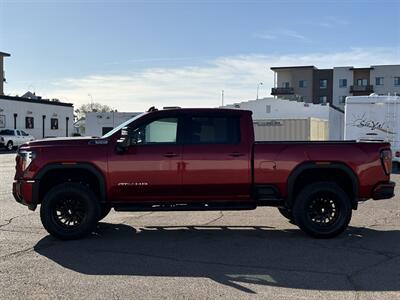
170 154
236 154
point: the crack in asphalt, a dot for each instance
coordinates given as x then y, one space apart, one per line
8 222
26 250
221 215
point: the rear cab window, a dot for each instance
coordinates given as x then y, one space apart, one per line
212 129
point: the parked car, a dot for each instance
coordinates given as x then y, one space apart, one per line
14 138
198 159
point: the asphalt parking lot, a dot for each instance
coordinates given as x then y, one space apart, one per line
199 255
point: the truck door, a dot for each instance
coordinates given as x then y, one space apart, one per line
216 158
149 169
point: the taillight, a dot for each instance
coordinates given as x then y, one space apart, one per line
386 159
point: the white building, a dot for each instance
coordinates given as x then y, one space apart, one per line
99 123
271 108
38 117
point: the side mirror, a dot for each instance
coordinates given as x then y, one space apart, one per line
122 145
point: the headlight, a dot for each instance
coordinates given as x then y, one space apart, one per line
26 158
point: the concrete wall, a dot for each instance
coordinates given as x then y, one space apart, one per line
388 73
310 129
285 109
36 111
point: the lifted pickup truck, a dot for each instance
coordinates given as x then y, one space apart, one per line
198 159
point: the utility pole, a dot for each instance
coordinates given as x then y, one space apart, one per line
222 97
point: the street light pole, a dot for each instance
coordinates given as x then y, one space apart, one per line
91 101
258 87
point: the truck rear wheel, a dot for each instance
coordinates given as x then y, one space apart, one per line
322 210
70 211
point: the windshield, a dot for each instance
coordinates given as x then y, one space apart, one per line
126 123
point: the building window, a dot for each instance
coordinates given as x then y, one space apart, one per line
323 99
378 80
362 82
303 83
285 84
342 83
268 109
397 81
29 123
54 124
342 99
323 83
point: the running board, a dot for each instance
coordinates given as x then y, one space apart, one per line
185 206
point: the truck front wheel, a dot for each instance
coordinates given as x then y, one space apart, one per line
322 210
287 213
70 211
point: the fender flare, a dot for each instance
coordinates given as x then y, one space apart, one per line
58 166
311 166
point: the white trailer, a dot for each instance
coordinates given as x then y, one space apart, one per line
374 118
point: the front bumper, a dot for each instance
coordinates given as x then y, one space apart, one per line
24 191
383 191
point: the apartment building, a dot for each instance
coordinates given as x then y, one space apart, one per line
303 83
310 84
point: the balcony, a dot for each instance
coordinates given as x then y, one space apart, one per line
282 91
361 88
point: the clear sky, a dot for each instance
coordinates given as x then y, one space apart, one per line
135 54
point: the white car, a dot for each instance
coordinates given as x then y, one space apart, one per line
14 138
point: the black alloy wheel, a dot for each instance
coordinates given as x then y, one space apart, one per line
322 209
70 211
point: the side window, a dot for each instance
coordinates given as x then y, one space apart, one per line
213 130
24 133
160 131
18 133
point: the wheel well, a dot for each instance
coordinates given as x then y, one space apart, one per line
341 177
58 176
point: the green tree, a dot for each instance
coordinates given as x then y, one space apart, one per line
91 107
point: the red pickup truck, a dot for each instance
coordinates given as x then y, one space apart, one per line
198 159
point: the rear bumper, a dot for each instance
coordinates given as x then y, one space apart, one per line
23 192
383 191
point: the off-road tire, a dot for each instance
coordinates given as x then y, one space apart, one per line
322 202
104 210
10 146
68 203
288 214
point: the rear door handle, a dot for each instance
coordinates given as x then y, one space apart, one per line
236 154
170 154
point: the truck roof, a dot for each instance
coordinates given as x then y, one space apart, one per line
219 109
